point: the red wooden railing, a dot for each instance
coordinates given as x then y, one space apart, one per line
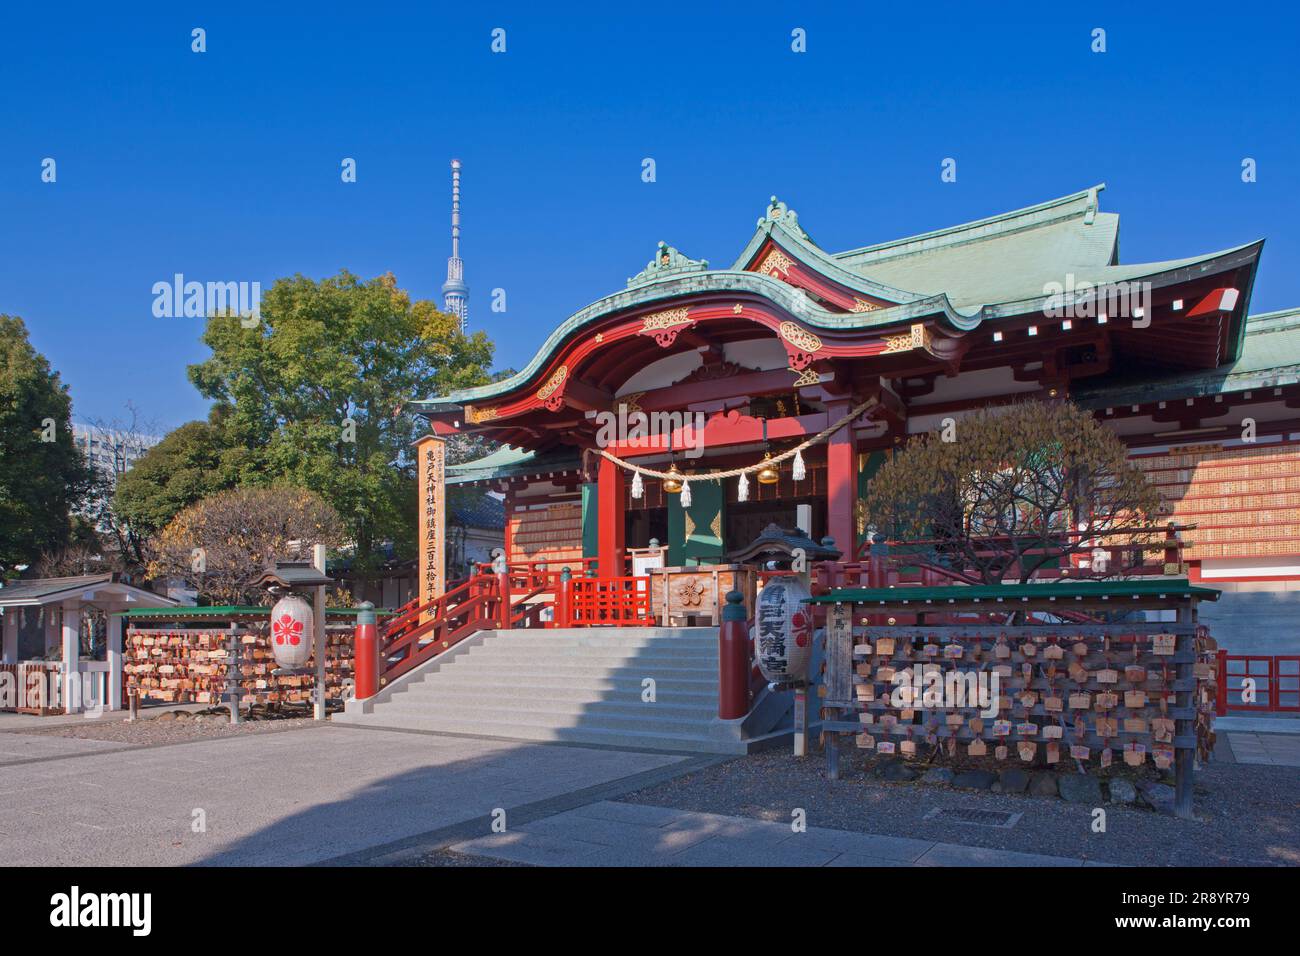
609 602
434 626
1128 559
525 595
1277 683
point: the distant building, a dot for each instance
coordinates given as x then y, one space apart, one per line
109 451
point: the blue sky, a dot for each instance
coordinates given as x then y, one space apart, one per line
225 165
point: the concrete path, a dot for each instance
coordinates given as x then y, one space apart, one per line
1278 750
1258 725
626 834
285 799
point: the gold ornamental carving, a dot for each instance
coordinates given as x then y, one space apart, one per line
918 337
775 262
807 376
800 337
552 384
666 320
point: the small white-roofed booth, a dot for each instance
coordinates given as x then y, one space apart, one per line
62 641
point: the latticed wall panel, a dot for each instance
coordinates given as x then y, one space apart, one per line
552 533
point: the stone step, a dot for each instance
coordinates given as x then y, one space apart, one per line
508 639
675 709
703 693
559 715
676 696
647 739
542 652
555 670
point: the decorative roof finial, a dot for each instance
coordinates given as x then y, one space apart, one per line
667 261
778 211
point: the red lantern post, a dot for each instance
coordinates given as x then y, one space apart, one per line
365 652
733 660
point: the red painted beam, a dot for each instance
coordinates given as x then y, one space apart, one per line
609 519
1220 300
841 482
723 429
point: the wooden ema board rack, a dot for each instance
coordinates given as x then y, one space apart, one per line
1075 696
192 665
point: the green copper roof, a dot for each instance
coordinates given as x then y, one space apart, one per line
507 461
962 276
221 611
1064 591
1270 358
999 259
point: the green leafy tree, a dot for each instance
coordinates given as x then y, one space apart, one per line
44 477
189 464
1013 489
313 394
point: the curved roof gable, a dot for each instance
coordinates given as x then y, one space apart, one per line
960 276
1003 258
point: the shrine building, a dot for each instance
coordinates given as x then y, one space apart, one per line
890 339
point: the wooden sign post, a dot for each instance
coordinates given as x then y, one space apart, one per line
431 463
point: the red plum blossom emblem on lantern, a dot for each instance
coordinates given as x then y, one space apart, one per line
291 629
287 629
799 627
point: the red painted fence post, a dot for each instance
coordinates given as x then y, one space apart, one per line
562 596
503 594
365 652
733 659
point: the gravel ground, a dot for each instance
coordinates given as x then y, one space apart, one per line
157 729
1247 815
449 858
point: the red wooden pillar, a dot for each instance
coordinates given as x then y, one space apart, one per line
365 652
563 596
841 481
733 660
609 519
505 613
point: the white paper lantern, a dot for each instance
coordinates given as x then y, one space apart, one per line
291 631
783 631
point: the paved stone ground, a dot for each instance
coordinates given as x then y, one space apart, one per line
627 834
322 794
1276 750
1246 814
292 798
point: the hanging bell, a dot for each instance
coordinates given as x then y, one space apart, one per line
798 472
742 489
768 473
686 494
637 487
673 483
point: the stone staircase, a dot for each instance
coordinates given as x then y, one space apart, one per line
576 685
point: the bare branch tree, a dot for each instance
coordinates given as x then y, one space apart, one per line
1019 488
218 545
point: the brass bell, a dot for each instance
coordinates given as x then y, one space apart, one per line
768 474
673 483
